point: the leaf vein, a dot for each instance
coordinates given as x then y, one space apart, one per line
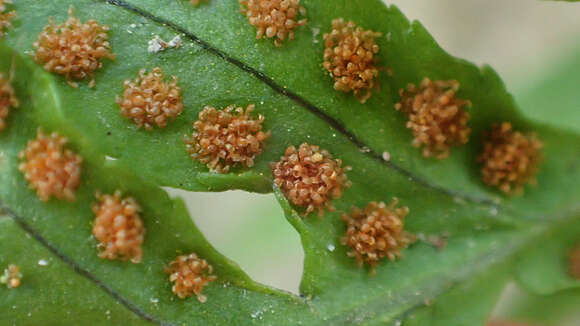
335 124
79 270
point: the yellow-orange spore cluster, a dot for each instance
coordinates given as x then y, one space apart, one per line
5 17
507 323
7 100
310 177
50 168
223 138
118 227
575 263
150 101
73 49
11 277
196 2
189 274
375 232
510 159
349 56
436 116
274 18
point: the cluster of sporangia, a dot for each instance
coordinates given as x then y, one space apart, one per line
50 168
6 16
436 116
575 262
7 100
349 56
377 231
149 101
11 277
73 49
510 159
308 176
223 138
189 275
274 18
118 227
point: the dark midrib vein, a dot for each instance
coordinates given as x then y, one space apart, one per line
78 269
338 126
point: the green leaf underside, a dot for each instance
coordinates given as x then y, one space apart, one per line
557 309
544 269
170 232
52 293
558 90
482 234
448 310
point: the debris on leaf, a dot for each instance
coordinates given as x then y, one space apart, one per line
386 156
157 44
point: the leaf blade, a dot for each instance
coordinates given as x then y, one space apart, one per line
89 115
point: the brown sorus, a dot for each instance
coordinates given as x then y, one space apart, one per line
5 17
150 101
11 277
73 49
310 177
574 260
228 137
375 232
510 159
274 18
118 227
189 274
7 100
50 168
350 57
436 116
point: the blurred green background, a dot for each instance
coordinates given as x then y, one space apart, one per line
533 45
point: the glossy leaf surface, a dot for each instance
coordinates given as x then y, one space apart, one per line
221 63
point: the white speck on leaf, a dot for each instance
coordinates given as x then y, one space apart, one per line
157 44
386 156
43 262
258 314
315 33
